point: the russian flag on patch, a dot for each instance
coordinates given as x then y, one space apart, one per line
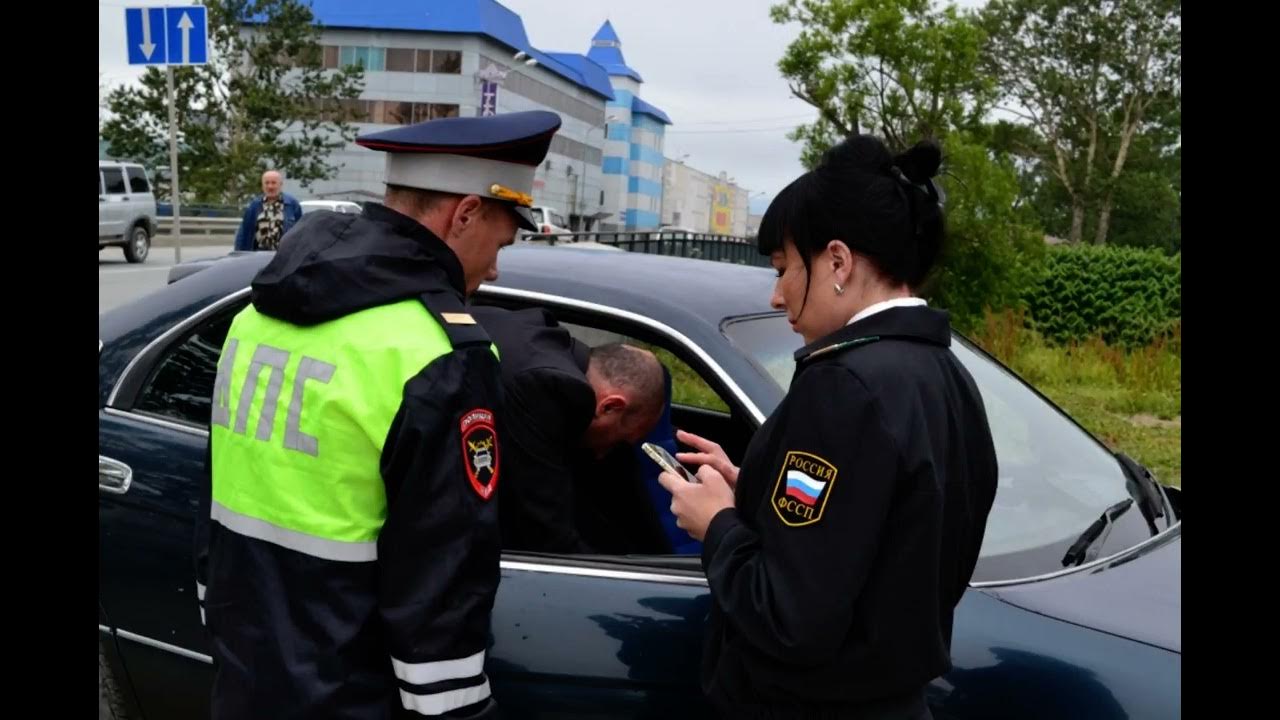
804 488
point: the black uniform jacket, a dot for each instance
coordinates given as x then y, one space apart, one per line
860 510
556 496
299 636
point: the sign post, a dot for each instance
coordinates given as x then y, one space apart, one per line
168 36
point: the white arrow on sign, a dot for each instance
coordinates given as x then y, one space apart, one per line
147 46
185 24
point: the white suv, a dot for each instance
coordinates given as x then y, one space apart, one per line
126 209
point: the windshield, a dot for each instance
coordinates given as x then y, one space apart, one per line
537 215
1055 479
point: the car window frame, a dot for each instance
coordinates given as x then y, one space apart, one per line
679 569
142 172
124 179
670 569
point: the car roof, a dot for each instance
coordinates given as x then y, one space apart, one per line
640 282
690 296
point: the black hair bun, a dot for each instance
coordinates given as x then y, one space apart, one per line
921 163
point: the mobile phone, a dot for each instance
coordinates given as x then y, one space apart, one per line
664 460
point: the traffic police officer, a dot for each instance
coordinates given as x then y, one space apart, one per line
349 559
837 561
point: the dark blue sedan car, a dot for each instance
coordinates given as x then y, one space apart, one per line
1075 610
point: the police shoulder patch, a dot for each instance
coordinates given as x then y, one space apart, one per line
804 484
480 451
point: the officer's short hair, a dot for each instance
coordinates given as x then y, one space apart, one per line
416 202
633 369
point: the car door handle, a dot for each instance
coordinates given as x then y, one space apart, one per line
114 476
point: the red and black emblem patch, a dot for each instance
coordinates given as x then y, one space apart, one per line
480 451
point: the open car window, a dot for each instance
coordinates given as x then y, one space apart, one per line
695 406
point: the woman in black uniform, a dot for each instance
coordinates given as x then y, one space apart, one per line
837 553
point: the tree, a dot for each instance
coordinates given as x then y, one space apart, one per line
1088 76
900 69
1147 196
263 101
906 71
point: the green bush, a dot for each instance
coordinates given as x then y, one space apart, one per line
1127 296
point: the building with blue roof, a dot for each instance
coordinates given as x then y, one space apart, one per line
426 59
633 154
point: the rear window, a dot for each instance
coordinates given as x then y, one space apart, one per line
114 178
137 180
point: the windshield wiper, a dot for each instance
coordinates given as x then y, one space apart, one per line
1086 547
1142 487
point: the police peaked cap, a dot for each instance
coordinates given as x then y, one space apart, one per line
493 157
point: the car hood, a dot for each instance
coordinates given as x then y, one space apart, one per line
1137 594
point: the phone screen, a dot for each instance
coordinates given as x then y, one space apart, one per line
666 462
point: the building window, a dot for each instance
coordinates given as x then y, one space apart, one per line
378 59
400 59
396 113
433 111
448 62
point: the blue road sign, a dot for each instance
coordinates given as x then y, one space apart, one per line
187 35
144 35
167 35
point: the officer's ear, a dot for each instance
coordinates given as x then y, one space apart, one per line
841 259
466 213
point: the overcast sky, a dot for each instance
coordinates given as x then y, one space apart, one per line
710 64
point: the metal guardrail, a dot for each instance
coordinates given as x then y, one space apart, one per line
705 246
214 226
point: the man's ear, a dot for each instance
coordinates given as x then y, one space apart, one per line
467 211
610 404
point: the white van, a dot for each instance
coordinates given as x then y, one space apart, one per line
126 209
549 220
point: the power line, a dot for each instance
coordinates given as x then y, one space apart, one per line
732 131
806 116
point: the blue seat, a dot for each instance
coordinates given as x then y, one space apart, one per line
664 435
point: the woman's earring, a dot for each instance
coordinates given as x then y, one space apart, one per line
839 289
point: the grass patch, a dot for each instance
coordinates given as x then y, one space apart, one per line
1129 399
687 387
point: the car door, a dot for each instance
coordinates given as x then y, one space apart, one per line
110 197
157 433
608 636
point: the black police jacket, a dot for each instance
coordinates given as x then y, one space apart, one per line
860 510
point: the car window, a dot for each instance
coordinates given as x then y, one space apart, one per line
687 386
100 181
181 383
557 220
137 180
537 215
1054 478
114 178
